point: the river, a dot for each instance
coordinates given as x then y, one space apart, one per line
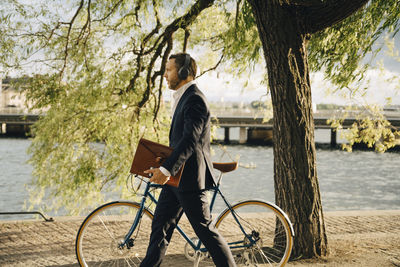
361 180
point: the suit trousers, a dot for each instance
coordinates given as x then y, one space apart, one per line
171 205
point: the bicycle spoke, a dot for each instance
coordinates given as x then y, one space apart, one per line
263 255
103 231
127 262
134 262
105 227
263 229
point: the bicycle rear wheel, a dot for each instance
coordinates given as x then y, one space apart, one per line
100 237
266 237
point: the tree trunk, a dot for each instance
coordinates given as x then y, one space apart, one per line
283 35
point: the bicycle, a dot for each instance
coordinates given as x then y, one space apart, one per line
118 232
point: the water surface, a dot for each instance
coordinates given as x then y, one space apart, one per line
362 180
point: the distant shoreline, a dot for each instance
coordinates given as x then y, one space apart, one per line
318 145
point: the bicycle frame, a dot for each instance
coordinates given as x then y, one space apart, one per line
147 194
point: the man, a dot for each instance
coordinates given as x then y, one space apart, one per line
190 139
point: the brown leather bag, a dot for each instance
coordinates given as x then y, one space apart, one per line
151 155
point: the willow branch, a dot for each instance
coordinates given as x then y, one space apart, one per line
149 78
181 22
185 40
85 46
52 32
142 53
148 51
161 72
187 19
212 68
328 13
110 13
68 35
132 81
137 8
85 26
300 2
237 14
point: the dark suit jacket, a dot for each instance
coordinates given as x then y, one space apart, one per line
189 137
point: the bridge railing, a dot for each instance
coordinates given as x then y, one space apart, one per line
17 110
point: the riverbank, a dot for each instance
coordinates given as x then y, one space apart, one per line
356 238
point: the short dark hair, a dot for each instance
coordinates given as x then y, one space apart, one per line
180 61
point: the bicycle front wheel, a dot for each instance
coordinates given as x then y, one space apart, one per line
100 239
259 233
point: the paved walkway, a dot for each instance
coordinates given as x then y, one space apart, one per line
39 243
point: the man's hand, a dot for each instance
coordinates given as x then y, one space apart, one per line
158 177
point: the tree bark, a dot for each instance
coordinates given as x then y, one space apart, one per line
282 30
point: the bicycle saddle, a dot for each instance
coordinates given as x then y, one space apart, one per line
225 167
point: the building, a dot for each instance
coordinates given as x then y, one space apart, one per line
12 99
13 108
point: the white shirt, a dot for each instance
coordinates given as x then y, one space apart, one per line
179 93
177 96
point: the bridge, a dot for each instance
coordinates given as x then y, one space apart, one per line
256 130
15 123
252 128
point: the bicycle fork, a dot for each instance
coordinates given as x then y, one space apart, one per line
128 241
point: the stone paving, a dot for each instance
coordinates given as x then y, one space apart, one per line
40 243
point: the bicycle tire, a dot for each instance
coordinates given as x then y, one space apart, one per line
264 222
99 236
